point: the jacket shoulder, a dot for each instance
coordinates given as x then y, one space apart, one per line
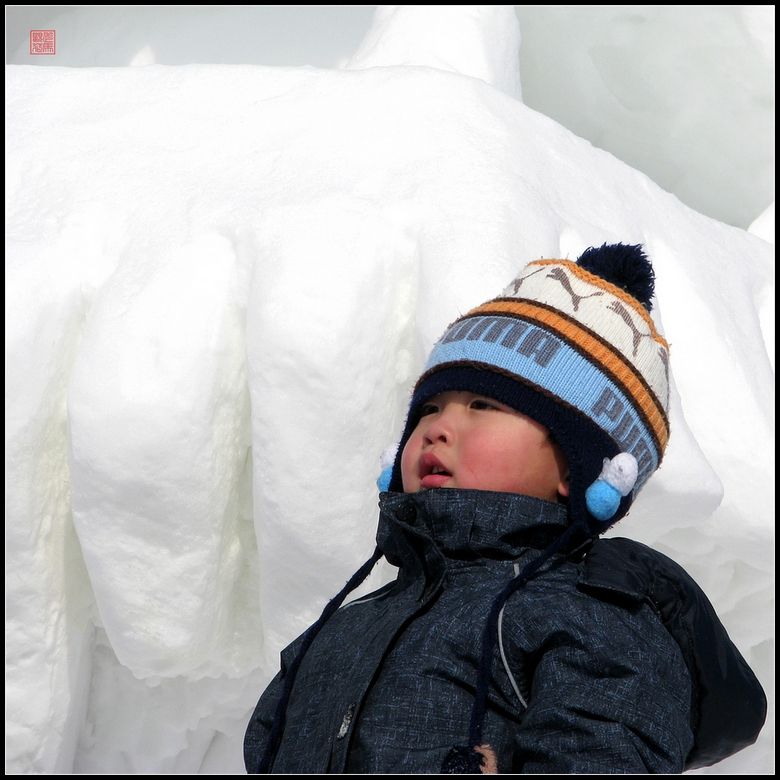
728 703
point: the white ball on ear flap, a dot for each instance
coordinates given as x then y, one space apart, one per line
387 458
620 472
386 461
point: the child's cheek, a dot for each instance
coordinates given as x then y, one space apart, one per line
409 466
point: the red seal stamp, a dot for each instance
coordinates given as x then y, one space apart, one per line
43 41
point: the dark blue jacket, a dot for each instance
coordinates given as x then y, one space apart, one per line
585 677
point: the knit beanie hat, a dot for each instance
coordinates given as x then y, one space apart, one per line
572 346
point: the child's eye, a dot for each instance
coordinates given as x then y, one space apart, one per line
428 409
481 403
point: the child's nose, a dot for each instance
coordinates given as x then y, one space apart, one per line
442 425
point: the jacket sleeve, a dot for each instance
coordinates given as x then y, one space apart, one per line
259 726
609 692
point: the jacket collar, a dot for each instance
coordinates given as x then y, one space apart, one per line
465 524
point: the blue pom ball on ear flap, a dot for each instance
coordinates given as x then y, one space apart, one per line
383 480
617 478
602 500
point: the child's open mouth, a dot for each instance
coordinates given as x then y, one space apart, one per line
435 480
432 472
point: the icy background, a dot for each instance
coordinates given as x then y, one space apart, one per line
221 284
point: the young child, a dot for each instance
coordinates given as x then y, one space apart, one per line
513 639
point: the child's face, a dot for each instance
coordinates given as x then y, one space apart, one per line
482 444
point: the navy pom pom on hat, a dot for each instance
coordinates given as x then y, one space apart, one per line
571 345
